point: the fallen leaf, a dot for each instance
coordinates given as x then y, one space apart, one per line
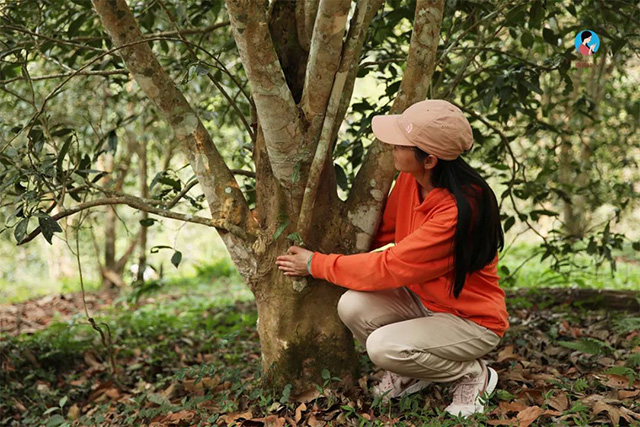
559 401
506 407
533 395
618 381
507 354
99 390
302 407
233 416
630 412
113 393
612 412
529 415
505 422
179 417
623 394
313 422
306 396
73 412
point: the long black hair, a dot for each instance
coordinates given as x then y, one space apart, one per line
478 237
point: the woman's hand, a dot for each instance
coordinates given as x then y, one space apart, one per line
294 264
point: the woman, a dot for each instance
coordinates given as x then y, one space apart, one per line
428 308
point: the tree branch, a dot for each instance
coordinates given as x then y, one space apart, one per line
324 57
348 60
137 203
276 109
71 73
226 201
377 170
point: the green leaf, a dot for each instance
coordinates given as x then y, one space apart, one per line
48 226
588 345
527 39
341 177
285 394
155 249
76 24
325 374
50 410
296 238
280 229
62 401
535 214
509 223
549 36
296 171
55 420
535 87
112 139
536 14
176 258
21 229
62 154
147 222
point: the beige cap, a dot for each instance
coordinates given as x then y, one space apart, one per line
435 126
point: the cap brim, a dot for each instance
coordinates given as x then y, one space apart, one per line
387 129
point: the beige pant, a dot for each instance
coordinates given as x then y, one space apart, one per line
404 337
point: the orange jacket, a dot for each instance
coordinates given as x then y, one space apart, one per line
422 258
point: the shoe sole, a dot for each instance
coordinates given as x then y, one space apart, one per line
409 390
414 388
493 380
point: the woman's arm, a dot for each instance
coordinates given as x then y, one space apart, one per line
424 255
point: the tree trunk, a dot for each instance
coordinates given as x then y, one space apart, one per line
109 227
301 70
144 192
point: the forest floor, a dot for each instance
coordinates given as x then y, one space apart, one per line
189 355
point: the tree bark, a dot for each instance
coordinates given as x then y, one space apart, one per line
144 192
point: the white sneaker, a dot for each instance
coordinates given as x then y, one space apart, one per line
393 385
467 392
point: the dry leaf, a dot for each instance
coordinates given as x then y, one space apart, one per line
179 417
623 394
630 412
113 393
617 381
313 422
505 407
529 415
503 422
612 412
233 416
306 396
302 407
507 354
559 401
90 359
533 395
73 412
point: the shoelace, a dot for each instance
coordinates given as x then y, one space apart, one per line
464 391
387 381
